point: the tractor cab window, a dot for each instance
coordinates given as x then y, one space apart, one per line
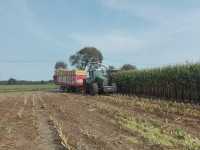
91 74
103 71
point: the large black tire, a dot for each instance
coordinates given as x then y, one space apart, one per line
115 87
86 88
94 89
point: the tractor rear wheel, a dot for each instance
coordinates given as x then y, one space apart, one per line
94 89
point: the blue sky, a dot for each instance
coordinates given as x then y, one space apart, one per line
34 34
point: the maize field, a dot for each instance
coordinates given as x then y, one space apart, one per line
180 82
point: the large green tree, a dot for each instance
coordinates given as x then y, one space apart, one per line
84 56
60 64
128 67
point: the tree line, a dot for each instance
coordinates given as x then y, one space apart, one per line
13 81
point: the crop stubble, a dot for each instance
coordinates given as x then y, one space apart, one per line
44 120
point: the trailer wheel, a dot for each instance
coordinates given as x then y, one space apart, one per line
94 89
62 89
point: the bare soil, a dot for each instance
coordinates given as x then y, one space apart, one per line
62 121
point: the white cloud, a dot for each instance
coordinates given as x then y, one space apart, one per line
111 43
172 38
169 35
26 22
148 10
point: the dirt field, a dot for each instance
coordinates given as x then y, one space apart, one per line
59 121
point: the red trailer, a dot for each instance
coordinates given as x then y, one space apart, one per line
69 79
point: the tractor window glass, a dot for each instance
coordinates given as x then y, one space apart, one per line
91 73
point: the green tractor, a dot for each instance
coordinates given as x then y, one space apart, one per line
98 80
